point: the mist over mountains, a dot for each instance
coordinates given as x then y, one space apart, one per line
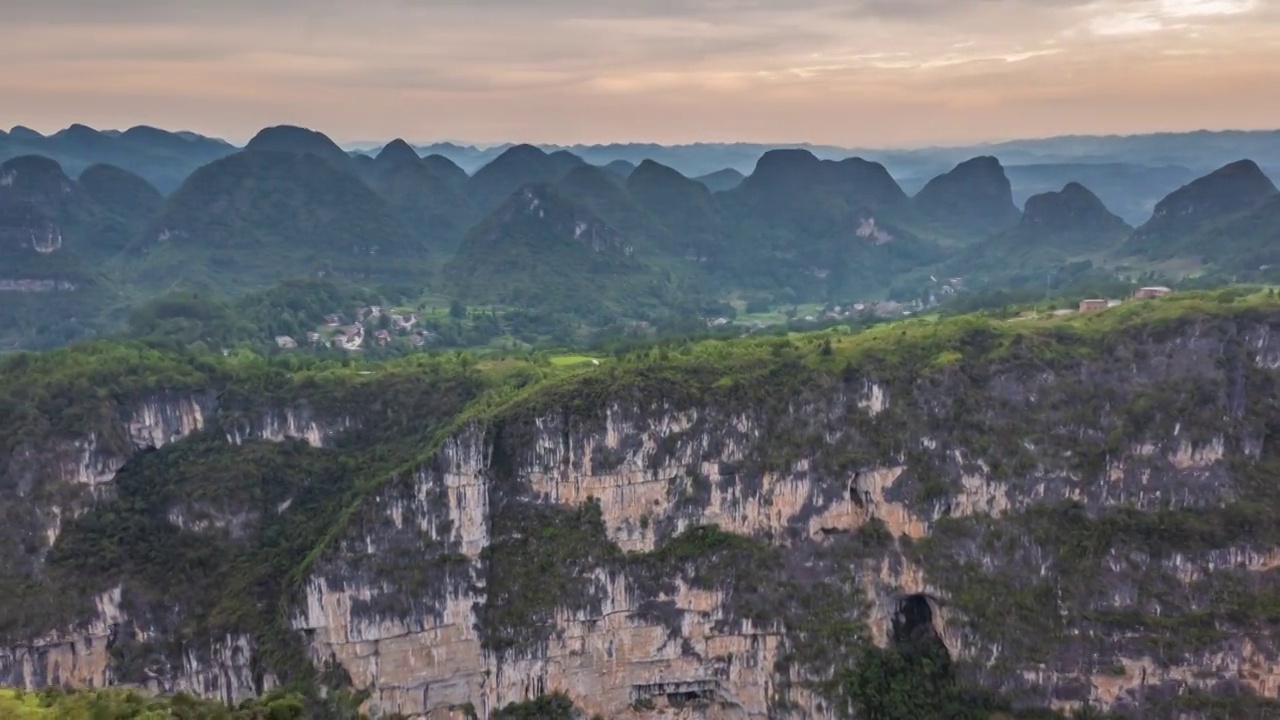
164 158
1131 173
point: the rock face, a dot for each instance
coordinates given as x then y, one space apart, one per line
65 479
82 658
34 195
638 463
1074 527
34 286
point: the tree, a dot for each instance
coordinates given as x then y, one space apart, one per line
457 310
913 682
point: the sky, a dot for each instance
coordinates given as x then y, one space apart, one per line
857 73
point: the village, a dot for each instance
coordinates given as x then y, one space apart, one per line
834 312
373 326
385 328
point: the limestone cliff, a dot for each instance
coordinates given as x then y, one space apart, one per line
1081 514
61 479
658 470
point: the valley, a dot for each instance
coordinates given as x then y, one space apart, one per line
292 431
544 249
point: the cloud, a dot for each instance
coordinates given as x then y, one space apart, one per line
1205 8
620 69
1155 15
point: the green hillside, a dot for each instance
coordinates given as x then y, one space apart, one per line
447 170
1059 234
431 205
164 158
518 166
257 217
1180 220
599 192
1247 241
684 207
975 199
812 229
542 249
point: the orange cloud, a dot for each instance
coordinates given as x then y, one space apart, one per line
861 72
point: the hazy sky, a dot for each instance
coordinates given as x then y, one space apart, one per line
849 72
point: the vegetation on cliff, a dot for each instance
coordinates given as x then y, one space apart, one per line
128 705
198 523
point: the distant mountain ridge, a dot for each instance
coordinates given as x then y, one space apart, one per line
542 249
54 226
257 217
161 157
975 196
292 139
1054 230
1198 150
516 167
722 180
1075 211
1233 189
426 192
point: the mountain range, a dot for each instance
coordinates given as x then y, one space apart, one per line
605 243
164 158
1129 173
1199 151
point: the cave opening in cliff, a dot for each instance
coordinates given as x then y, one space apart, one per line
914 677
913 622
916 638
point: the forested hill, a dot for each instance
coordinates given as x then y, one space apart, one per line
544 248
920 520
